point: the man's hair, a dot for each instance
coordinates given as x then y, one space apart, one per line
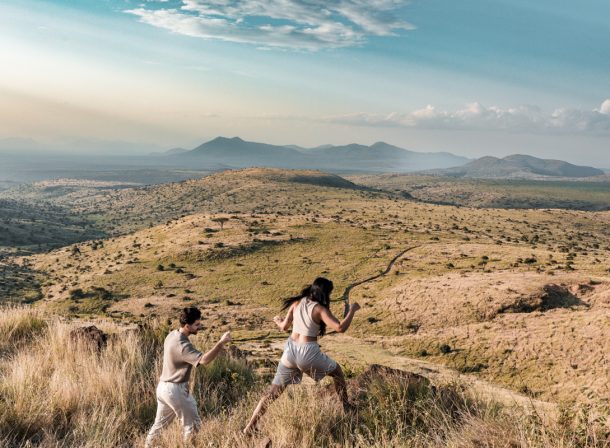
189 315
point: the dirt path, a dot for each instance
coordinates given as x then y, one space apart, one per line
348 289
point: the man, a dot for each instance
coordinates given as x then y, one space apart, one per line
179 357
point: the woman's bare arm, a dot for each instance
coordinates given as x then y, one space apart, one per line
284 324
332 322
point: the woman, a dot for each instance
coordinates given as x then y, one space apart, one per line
310 315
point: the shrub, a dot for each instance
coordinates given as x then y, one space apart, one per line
76 294
445 348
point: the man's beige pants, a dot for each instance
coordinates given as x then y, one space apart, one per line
174 400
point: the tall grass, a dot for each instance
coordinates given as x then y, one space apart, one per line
57 392
65 392
18 325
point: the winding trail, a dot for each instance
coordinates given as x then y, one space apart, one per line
344 297
358 352
348 289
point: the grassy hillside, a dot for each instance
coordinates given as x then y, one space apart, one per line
122 210
39 226
489 297
106 399
520 194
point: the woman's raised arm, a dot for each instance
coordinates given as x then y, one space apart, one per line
332 322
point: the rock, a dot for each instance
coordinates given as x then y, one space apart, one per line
556 296
90 335
581 288
360 386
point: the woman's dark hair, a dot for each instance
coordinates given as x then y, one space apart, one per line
319 291
189 315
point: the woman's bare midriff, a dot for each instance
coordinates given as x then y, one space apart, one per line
300 338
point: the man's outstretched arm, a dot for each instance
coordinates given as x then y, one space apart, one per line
210 355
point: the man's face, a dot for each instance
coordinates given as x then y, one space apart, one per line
194 327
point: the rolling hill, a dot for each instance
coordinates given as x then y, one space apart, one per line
508 304
482 282
519 166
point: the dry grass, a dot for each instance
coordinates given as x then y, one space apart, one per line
60 393
19 324
466 269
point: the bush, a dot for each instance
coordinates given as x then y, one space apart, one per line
222 384
76 294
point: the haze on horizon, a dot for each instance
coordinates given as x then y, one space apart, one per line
478 77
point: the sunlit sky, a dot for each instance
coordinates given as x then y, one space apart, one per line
474 77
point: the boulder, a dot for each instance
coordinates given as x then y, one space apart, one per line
378 373
90 335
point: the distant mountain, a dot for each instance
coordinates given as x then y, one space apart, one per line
239 153
384 157
174 151
519 166
379 157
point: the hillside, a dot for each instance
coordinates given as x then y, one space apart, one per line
253 236
120 210
39 226
393 407
591 193
512 306
519 167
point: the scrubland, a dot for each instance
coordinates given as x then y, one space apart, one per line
506 311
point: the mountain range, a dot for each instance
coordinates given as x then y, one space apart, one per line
221 153
379 157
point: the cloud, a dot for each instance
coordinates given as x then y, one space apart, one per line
288 24
475 116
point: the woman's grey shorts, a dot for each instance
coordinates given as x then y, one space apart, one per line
298 358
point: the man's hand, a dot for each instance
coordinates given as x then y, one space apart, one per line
278 320
226 338
213 353
354 307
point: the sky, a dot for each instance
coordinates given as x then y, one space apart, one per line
473 77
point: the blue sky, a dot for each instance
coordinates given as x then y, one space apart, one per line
475 77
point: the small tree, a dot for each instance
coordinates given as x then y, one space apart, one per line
220 220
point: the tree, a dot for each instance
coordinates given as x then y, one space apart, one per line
221 220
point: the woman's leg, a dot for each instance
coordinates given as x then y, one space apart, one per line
340 386
272 394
